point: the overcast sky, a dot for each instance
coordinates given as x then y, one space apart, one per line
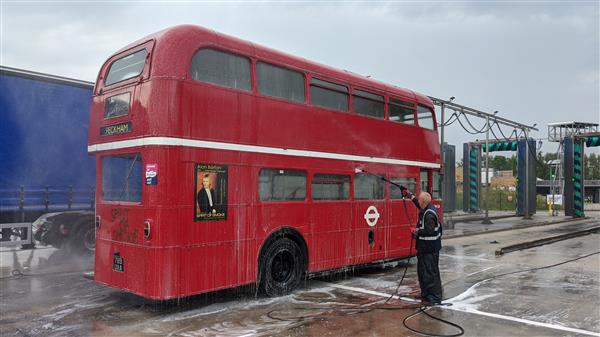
534 62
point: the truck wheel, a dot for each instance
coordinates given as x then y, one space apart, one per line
89 239
84 240
283 267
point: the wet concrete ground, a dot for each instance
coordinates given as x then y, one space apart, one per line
560 301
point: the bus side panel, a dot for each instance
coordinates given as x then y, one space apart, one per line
207 267
272 215
216 254
243 212
165 282
331 226
399 228
133 278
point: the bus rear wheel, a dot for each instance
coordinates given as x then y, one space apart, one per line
283 267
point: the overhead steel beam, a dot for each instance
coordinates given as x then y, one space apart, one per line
447 104
510 139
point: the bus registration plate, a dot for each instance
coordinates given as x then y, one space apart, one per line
118 263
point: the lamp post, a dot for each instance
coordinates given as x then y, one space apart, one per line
442 154
486 220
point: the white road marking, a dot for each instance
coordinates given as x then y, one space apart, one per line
466 257
525 321
472 311
371 292
481 271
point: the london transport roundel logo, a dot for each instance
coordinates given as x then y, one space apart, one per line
371 216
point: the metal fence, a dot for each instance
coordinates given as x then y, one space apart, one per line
46 199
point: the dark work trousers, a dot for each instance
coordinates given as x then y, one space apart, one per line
429 276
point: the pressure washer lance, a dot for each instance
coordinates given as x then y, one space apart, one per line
401 187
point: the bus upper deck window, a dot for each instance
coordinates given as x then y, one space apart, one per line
425 116
221 68
366 103
328 95
402 112
280 82
126 67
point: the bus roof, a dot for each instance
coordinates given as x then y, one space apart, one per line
182 41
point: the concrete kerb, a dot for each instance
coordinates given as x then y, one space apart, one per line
520 226
452 220
545 241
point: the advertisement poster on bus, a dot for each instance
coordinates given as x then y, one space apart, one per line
151 174
211 192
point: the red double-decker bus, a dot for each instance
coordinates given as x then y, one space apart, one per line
223 163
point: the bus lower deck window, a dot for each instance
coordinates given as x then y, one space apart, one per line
368 187
409 183
436 189
330 187
424 181
276 184
122 178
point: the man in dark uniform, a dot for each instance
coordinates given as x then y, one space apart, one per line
428 235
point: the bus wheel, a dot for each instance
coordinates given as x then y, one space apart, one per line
283 267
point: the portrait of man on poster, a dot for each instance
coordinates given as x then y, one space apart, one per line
206 196
210 192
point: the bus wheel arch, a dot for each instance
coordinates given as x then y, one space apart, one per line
282 262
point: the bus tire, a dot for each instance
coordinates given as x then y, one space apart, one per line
283 267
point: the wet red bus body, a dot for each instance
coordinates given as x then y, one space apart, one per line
279 168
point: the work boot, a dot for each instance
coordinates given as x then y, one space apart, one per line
433 300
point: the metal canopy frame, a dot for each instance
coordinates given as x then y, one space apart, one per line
558 131
448 104
495 119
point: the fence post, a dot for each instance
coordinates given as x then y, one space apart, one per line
70 196
46 197
93 197
22 202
